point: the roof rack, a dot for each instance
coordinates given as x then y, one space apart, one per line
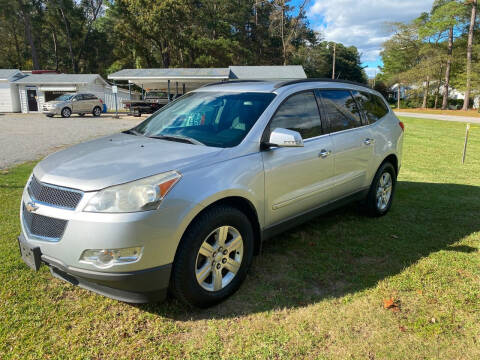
299 81
230 82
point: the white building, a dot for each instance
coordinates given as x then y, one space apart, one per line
36 89
9 97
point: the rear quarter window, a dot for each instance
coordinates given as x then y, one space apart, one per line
373 106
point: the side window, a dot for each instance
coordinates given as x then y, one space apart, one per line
299 113
89 97
79 97
341 109
373 106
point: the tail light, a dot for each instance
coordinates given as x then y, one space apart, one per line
402 125
101 102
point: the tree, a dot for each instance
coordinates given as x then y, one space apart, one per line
317 61
286 26
469 53
445 17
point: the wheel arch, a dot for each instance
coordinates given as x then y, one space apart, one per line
393 159
242 204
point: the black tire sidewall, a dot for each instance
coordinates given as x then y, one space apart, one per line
63 113
185 284
372 195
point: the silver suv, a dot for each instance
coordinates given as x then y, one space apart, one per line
68 104
184 200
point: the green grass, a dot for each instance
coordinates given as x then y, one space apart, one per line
316 292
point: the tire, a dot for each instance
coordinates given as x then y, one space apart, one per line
66 112
81 114
190 258
97 111
379 199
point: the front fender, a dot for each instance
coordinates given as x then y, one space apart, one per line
238 177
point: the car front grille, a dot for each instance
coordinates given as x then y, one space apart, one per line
43 227
54 195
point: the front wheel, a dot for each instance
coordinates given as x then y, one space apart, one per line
382 190
213 257
66 112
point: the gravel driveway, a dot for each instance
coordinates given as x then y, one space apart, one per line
25 137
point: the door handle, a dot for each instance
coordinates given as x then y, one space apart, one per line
369 141
324 153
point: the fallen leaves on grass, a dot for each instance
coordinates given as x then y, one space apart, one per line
391 304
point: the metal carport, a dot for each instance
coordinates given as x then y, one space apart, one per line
185 79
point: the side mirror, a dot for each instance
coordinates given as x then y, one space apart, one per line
285 138
74 99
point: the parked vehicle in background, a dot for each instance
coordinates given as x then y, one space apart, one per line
68 104
184 200
152 101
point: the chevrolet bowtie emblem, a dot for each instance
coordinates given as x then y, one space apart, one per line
31 206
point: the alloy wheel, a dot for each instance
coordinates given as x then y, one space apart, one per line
384 191
219 258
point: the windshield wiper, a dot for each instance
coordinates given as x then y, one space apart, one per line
184 139
132 132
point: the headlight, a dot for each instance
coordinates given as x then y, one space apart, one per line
140 195
103 258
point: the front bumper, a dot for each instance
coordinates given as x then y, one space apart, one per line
140 286
51 111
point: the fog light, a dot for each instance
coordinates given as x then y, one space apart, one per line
104 258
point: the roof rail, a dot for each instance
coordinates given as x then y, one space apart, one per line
299 81
231 81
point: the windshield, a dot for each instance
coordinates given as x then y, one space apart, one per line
216 119
64 97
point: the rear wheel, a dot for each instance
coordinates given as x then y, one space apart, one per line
382 190
66 112
96 111
213 258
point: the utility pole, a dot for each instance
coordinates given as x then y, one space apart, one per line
333 63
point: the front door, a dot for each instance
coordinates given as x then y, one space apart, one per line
298 179
32 100
352 141
78 105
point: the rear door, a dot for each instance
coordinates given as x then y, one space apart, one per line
352 141
90 102
297 179
86 102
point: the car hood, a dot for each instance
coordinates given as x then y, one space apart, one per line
118 159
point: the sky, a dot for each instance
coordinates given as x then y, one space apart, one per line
362 23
